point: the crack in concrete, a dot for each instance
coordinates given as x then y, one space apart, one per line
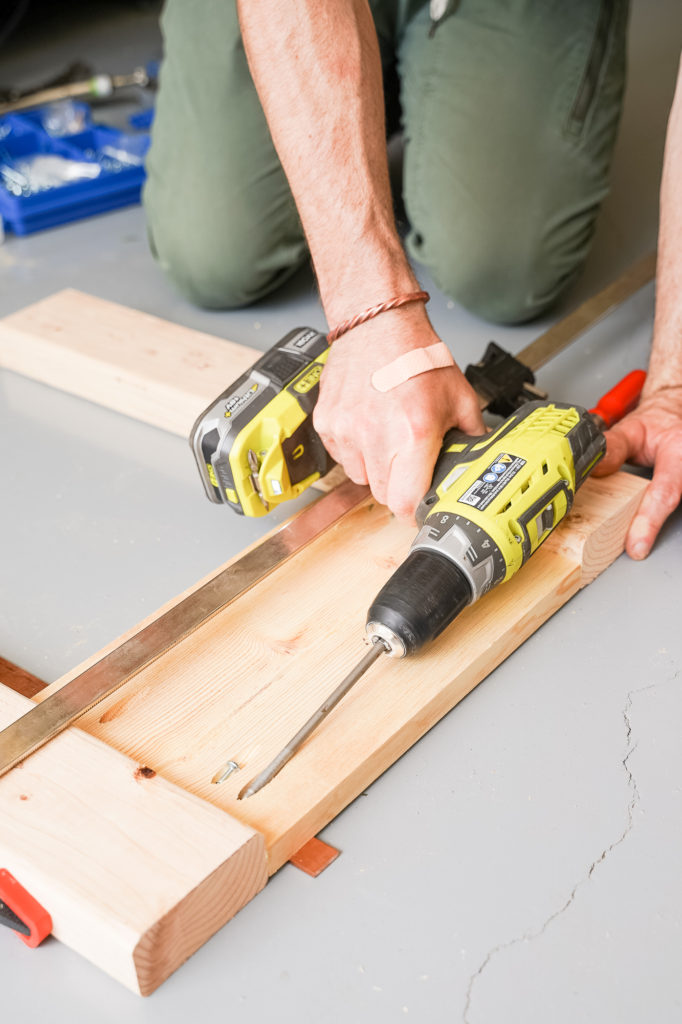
634 800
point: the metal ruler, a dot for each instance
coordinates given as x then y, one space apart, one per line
72 700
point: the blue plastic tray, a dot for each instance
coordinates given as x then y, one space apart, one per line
118 155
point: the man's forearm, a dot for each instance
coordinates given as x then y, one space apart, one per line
665 368
317 70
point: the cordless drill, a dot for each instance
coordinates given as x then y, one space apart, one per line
493 501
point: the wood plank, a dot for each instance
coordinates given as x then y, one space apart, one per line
243 683
135 872
132 362
240 685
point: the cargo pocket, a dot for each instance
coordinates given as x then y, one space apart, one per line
596 61
439 10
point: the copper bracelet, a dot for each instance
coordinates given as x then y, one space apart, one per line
369 314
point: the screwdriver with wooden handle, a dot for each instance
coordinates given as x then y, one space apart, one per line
493 501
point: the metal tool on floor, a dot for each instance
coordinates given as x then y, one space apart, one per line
94 87
66 705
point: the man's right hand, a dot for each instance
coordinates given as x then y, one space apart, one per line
391 439
317 69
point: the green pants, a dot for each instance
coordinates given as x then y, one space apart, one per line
509 111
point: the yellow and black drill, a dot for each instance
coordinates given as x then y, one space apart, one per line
493 501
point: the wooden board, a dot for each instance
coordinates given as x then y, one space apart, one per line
242 684
135 363
132 362
135 872
83 823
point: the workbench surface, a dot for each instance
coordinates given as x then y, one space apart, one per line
521 862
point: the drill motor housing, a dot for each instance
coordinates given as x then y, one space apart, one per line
494 500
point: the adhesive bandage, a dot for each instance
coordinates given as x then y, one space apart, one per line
411 364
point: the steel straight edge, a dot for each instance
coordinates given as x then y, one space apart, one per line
65 705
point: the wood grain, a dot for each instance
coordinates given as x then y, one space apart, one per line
132 362
242 684
136 866
136 873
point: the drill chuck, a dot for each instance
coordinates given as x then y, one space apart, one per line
421 598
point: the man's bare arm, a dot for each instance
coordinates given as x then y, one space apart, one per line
652 434
317 70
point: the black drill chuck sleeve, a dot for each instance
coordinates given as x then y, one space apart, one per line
421 598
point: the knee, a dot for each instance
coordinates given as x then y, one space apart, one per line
209 276
504 278
219 261
212 274
509 287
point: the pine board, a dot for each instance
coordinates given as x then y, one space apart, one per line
137 364
239 686
135 873
132 362
243 683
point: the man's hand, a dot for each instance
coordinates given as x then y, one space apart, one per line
650 436
317 69
391 439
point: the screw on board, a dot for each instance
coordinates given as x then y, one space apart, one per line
225 772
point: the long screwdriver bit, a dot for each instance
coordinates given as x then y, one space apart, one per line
297 741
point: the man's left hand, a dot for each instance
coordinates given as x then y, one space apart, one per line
649 436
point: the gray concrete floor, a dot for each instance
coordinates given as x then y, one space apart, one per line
521 862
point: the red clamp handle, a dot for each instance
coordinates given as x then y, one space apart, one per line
621 399
26 908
